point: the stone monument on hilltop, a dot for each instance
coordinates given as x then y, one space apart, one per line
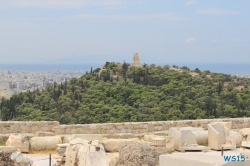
136 60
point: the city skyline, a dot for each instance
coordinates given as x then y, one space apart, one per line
63 31
16 81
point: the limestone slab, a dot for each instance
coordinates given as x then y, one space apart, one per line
226 124
71 153
19 141
7 148
112 158
195 148
191 159
149 137
201 137
245 144
169 143
45 143
182 138
218 137
81 152
66 138
237 136
114 145
245 132
88 155
63 145
61 151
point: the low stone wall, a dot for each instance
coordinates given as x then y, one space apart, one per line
112 128
27 127
145 127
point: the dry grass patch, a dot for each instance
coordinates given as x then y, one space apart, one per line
226 84
239 87
2 143
209 76
172 68
193 74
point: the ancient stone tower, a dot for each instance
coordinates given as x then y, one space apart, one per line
136 59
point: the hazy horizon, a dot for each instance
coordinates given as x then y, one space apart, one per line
227 68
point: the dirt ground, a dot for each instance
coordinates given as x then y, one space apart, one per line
41 159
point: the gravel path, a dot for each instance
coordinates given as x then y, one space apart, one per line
41 159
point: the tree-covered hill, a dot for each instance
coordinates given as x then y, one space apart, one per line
123 93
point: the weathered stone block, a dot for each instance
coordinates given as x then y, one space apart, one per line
61 151
237 136
169 143
193 159
201 137
19 141
226 124
45 143
245 132
82 152
114 145
66 138
149 137
218 137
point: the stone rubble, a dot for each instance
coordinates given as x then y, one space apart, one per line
70 144
5 159
5 153
137 154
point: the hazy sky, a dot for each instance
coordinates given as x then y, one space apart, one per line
79 31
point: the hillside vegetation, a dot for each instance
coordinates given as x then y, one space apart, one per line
122 93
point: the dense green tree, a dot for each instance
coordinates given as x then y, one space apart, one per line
147 93
197 70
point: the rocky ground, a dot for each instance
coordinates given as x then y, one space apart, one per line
5 159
